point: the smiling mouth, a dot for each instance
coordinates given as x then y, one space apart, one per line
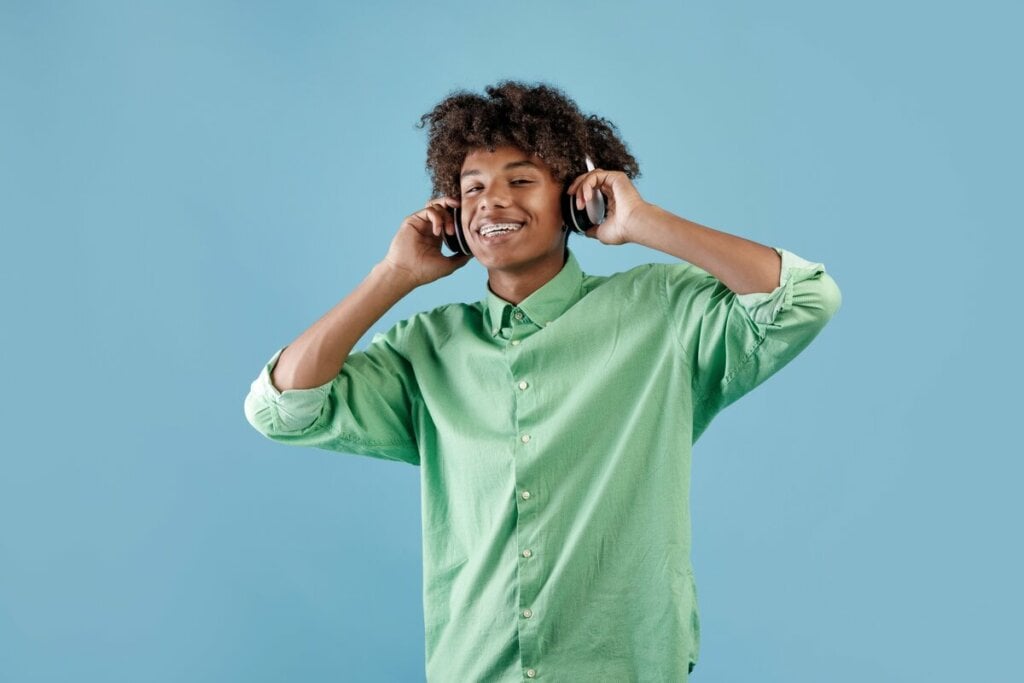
497 229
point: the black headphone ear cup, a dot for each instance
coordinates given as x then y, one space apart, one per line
577 219
457 242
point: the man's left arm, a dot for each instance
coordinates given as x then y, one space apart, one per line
742 265
745 267
741 310
786 300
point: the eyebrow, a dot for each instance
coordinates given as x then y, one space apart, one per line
513 164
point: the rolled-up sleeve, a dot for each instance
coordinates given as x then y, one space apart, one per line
365 410
734 342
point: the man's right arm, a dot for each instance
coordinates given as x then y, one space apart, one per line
317 392
414 258
317 355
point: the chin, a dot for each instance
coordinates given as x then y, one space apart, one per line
518 256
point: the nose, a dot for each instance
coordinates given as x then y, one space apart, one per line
495 195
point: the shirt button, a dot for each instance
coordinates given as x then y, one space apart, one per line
523 385
527 612
515 342
518 315
531 673
525 438
526 495
527 552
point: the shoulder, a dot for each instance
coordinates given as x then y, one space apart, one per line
642 278
434 327
453 314
679 275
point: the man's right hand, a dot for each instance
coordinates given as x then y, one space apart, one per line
415 251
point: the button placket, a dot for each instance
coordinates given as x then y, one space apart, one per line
529 570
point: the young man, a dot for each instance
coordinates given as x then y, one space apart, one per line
553 419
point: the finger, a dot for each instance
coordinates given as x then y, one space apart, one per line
586 191
420 222
444 201
594 187
429 220
443 206
575 184
594 184
574 189
436 222
444 219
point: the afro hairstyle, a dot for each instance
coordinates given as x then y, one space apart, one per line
538 119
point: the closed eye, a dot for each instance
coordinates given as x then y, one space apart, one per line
477 187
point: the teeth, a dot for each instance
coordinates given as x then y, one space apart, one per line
499 228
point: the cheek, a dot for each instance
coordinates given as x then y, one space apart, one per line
553 208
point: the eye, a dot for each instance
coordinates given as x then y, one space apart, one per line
518 180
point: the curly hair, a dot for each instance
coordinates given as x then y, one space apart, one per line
538 119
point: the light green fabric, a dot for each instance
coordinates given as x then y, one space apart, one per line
554 442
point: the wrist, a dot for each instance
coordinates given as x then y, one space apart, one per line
642 222
393 277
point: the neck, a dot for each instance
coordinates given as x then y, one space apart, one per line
515 285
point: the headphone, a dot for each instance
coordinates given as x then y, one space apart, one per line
576 219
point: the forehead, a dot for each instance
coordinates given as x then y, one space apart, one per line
482 161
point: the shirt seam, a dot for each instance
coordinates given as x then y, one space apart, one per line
672 322
348 436
361 442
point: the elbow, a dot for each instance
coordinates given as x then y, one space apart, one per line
292 414
830 297
258 414
816 300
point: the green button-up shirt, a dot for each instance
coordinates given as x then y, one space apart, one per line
554 441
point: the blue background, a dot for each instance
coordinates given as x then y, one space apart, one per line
185 187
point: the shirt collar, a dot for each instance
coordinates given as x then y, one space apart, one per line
551 300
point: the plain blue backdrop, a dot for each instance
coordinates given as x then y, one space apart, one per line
187 186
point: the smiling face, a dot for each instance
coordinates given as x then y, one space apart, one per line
508 186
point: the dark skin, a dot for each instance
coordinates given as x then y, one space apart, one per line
520 263
517 264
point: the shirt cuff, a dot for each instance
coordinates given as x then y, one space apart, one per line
291 408
765 306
